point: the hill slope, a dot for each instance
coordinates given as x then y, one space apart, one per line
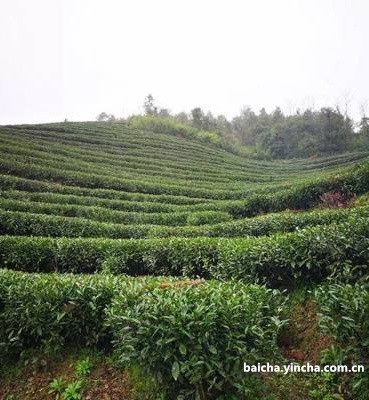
111 200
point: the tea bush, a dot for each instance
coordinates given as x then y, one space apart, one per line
27 223
48 310
282 260
52 310
200 339
100 214
306 195
195 338
262 225
344 315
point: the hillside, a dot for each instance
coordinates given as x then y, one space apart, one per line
115 234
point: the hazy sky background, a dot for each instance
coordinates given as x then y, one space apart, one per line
75 58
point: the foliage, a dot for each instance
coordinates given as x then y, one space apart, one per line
168 196
83 367
57 387
344 314
168 125
299 135
282 260
193 341
332 200
52 310
307 195
267 135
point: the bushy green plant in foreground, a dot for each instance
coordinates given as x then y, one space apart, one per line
194 338
50 310
194 334
344 315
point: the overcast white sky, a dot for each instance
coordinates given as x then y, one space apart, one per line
74 58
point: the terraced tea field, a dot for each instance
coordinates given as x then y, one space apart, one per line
183 260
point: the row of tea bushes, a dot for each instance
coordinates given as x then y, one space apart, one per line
114 137
183 169
202 223
303 196
195 339
183 331
259 200
9 182
282 260
80 163
27 224
114 216
287 221
199 170
59 173
344 316
80 200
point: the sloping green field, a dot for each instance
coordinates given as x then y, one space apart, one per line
180 237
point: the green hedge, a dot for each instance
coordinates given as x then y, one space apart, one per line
194 338
26 223
191 169
22 223
259 199
288 221
282 260
9 182
52 310
118 217
352 182
182 330
58 172
76 160
344 316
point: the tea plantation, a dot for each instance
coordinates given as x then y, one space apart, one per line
179 260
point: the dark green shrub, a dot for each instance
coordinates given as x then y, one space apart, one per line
300 258
306 195
344 315
28 254
207 217
100 214
283 260
195 337
52 310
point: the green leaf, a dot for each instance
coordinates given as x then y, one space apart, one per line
183 349
175 370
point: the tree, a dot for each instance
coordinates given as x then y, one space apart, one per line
198 117
149 105
105 117
182 117
163 112
277 115
336 130
364 126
